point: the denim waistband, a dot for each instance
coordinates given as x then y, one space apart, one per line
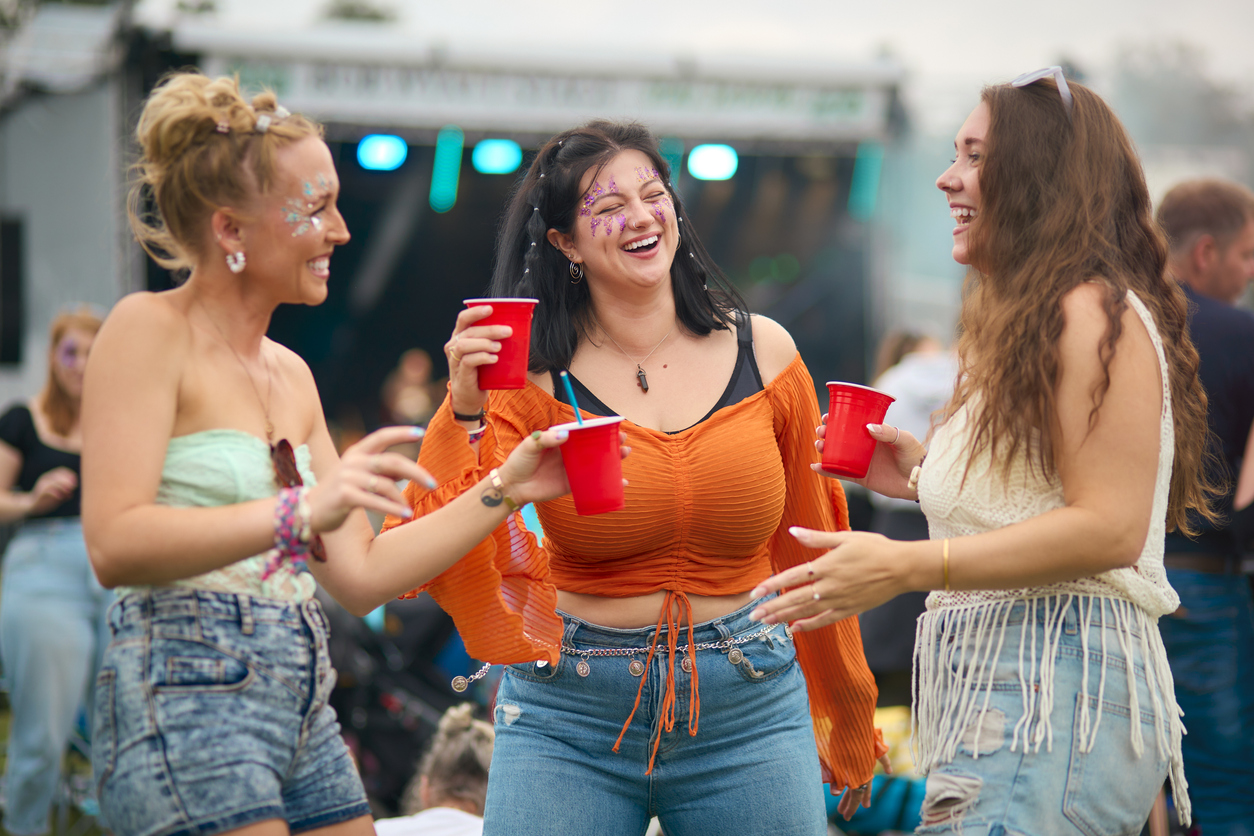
170 603
577 630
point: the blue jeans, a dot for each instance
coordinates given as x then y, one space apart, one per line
752 767
211 714
1085 777
1210 641
52 634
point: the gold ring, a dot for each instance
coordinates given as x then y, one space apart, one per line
374 480
815 592
375 461
810 569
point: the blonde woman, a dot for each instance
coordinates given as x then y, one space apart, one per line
211 484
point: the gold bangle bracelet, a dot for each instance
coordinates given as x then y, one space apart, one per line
945 561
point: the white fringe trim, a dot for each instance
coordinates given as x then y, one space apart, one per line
947 704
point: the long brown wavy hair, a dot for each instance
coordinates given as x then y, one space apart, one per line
58 406
1063 200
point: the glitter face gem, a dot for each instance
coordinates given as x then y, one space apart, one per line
595 193
299 214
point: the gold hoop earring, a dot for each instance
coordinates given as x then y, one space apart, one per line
576 273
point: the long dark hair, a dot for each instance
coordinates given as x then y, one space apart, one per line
547 198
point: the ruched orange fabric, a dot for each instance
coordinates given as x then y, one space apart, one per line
707 513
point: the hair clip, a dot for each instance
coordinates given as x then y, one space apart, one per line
281 112
263 123
223 126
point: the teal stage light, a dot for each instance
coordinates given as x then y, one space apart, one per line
864 185
713 162
381 152
496 156
447 168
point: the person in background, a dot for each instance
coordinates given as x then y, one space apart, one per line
1075 438
919 372
447 794
1210 638
52 609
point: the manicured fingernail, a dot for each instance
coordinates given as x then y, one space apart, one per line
796 530
535 436
431 483
874 427
757 614
758 592
408 513
562 435
417 432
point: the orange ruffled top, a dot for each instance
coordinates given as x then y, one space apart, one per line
707 512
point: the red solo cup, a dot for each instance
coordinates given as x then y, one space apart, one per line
847 445
594 464
510 369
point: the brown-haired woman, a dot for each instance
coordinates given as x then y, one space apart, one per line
1043 699
52 627
211 710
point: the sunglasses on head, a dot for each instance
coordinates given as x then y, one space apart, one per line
288 476
1063 90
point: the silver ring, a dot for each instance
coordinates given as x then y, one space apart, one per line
815 592
897 436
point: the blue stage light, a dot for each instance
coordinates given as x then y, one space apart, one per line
713 162
496 156
447 168
381 152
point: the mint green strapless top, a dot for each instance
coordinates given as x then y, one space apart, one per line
227 467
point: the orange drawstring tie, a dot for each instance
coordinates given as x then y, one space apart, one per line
669 616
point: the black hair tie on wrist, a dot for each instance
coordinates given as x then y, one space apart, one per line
478 416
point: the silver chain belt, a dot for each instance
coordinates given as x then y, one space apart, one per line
636 667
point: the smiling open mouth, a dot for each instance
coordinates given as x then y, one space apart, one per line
643 245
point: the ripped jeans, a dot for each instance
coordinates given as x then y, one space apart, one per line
1012 747
752 767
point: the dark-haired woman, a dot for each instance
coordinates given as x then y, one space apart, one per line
52 628
1043 698
211 484
637 685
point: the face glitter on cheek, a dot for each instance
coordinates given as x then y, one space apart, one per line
622 222
595 223
67 354
297 216
594 194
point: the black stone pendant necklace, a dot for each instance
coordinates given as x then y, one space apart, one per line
641 379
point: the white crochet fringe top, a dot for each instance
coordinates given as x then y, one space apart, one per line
946 704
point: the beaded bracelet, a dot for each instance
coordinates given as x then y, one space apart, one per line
475 435
292 530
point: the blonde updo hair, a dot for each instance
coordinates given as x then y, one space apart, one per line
201 150
456 764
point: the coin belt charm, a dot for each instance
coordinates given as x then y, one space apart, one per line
686 664
460 683
636 667
734 655
583 668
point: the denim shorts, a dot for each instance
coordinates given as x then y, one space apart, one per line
211 714
1084 777
752 766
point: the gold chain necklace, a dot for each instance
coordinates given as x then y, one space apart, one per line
641 380
265 404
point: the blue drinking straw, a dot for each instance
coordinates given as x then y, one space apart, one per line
570 395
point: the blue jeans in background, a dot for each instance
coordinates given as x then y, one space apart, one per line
52 635
751 768
1210 642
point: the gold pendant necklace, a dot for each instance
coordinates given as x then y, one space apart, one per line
265 404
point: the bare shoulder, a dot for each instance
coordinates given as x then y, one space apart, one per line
142 320
1086 327
291 365
773 346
